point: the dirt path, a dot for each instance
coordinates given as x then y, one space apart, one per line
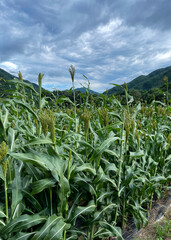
159 215
162 226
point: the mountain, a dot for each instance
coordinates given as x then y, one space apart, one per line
83 90
152 80
7 76
142 87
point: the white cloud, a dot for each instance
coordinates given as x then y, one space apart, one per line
163 56
9 66
98 41
110 27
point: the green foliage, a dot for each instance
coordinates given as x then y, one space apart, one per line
163 231
82 174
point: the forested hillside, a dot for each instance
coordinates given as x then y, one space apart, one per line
143 88
152 80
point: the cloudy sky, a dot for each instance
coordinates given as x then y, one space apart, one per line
109 41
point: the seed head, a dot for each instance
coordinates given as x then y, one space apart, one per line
40 77
168 141
125 86
72 72
132 124
150 112
37 126
79 128
47 120
85 116
3 153
165 79
145 136
20 76
137 137
154 124
68 111
13 124
139 124
104 115
44 119
161 110
143 110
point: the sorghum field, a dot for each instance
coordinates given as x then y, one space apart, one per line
79 171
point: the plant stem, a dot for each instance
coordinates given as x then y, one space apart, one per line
68 176
92 232
75 114
40 89
69 164
124 198
64 235
123 212
120 167
6 200
51 206
126 95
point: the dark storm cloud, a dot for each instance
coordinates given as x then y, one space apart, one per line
151 13
10 47
109 40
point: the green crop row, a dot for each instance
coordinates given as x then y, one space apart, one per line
79 172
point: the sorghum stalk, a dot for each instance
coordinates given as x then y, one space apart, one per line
21 79
40 77
126 125
167 87
126 95
32 99
3 153
69 164
85 116
68 170
52 129
51 202
64 235
120 166
124 198
87 93
72 73
98 163
92 232
6 200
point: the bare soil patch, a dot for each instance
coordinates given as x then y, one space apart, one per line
159 221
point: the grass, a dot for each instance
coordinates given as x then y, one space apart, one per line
163 231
